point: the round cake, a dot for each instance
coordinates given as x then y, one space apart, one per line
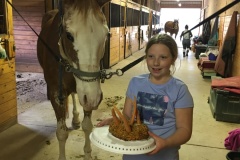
138 131
128 130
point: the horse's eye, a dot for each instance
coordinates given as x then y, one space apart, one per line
69 36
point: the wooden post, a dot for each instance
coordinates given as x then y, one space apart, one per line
8 97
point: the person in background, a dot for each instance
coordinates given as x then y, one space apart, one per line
186 34
163 101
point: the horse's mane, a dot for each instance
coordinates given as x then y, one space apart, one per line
85 5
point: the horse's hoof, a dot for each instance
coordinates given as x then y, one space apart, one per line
87 157
76 125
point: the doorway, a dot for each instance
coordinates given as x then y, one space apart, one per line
188 16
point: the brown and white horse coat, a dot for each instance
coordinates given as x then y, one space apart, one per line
78 36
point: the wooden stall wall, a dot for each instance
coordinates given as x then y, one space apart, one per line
8 101
25 38
224 19
144 27
8 98
125 30
132 28
128 22
131 24
116 32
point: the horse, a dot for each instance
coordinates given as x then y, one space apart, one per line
70 46
171 27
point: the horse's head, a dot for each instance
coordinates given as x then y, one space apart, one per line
83 36
175 25
175 22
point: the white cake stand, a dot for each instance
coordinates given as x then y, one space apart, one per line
105 140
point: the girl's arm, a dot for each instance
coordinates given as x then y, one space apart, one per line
184 118
127 110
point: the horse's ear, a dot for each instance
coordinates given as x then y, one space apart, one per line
101 3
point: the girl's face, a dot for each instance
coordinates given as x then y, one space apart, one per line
159 61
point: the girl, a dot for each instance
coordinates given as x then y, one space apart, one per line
163 101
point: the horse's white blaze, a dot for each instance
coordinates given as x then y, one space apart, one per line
89 42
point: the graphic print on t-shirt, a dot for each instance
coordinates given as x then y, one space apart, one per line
152 107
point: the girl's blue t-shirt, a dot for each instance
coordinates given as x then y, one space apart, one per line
156 105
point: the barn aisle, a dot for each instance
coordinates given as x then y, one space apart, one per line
33 138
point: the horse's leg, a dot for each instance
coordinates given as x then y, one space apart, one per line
62 130
75 119
62 136
87 127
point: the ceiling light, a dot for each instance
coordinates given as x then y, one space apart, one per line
179 4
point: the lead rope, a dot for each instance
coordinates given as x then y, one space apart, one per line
119 72
60 72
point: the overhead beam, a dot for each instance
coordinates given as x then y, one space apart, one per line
184 4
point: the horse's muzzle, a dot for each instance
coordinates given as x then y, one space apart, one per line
89 104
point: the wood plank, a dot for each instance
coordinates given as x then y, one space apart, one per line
8 105
30 42
128 50
114 32
5 61
115 43
26 47
8 96
4 117
7 124
26 52
29 8
22 23
114 56
32 18
23 56
28 14
26 1
29 3
7 68
27 67
32 54
25 38
30 0
5 78
10 47
26 28
7 87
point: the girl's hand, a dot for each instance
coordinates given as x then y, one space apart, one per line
104 122
160 143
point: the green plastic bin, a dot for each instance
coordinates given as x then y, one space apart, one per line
233 156
225 105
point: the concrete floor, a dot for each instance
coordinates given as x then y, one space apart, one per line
33 138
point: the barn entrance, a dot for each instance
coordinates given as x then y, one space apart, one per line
189 16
